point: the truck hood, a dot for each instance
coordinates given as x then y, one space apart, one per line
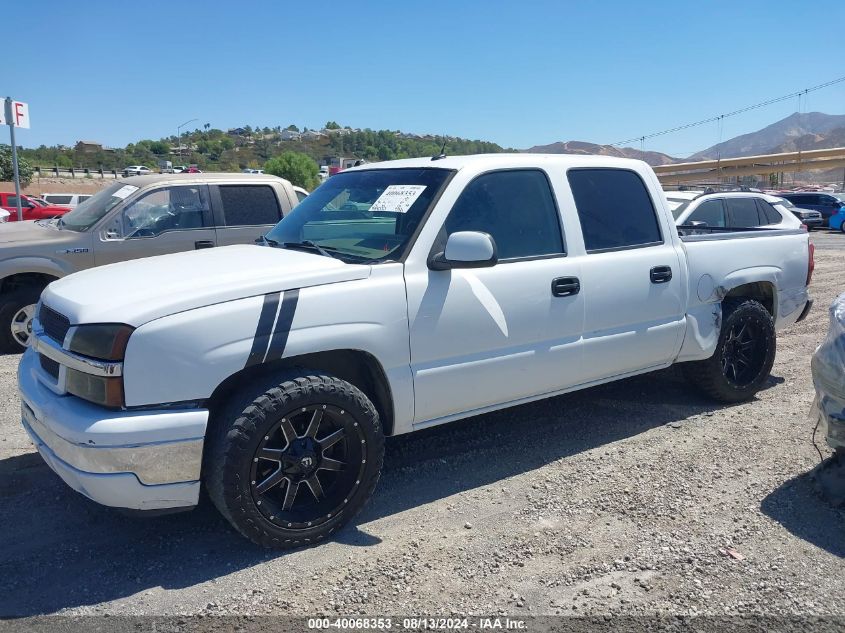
141 290
12 233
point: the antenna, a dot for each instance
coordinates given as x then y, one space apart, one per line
442 153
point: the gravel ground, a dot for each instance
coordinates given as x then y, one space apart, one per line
638 497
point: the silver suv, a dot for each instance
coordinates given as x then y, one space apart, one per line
131 218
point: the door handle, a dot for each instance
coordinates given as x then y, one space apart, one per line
565 286
203 244
660 274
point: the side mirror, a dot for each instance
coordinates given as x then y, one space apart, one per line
466 249
696 224
111 234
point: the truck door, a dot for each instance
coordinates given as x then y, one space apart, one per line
244 212
632 278
164 220
487 336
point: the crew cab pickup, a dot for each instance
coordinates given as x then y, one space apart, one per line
131 218
395 297
31 209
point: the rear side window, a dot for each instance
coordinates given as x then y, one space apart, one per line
249 205
58 199
614 209
516 208
712 212
768 212
83 198
743 212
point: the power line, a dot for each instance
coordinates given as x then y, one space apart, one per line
719 118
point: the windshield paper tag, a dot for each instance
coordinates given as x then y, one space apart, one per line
398 198
125 191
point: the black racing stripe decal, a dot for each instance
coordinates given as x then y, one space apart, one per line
264 329
283 323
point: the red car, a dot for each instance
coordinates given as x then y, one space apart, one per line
32 209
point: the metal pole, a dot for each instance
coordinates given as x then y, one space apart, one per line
11 123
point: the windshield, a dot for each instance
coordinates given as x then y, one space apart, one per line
92 210
677 211
363 215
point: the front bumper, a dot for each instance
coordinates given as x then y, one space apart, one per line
141 460
831 418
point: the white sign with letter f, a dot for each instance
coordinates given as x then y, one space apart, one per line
15 113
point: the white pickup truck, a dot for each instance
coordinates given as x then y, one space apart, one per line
395 297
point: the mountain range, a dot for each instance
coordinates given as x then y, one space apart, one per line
798 131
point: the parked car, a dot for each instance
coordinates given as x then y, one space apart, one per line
71 200
828 204
271 374
733 210
301 193
191 170
252 171
129 219
136 170
32 209
809 218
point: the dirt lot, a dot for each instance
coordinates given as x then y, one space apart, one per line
617 499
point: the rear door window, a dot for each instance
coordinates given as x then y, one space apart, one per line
768 212
614 209
711 212
249 205
743 212
58 199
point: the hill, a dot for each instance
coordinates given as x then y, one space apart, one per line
582 147
781 134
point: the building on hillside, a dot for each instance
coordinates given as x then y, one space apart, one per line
312 135
290 135
88 147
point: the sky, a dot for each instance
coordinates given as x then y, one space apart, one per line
518 73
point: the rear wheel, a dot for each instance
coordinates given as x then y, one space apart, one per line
16 313
744 353
297 462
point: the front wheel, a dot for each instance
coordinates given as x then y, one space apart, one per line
297 462
17 309
745 353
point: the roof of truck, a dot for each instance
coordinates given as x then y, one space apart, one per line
498 160
151 179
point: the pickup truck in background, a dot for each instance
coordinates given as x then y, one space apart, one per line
395 297
32 209
131 218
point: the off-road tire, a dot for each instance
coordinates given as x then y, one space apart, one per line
708 376
10 304
236 433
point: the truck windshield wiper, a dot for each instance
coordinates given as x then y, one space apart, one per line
309 245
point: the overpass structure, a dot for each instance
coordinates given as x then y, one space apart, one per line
713 170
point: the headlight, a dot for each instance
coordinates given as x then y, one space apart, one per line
107 392
103 342
106 342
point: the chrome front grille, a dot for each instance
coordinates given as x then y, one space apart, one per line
55 325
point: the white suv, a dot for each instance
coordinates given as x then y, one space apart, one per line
71 200
733 209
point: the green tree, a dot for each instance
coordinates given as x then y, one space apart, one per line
7 171
332 125
298 168
292 128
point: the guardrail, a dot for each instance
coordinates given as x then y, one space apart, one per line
76 172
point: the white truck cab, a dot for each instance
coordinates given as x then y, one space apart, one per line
395 297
